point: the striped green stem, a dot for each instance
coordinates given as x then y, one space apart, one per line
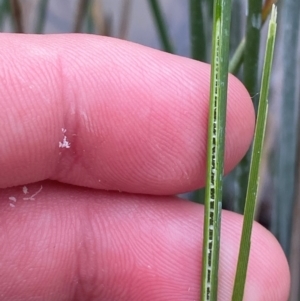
215 149
251 195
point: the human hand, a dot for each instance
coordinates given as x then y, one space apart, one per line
105 115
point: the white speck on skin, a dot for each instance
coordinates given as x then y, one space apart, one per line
32 198
25 189
12 198
64 143
12 205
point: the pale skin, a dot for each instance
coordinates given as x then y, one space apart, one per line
135 121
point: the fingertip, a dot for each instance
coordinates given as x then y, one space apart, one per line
269 273
268 276
142 246
135 118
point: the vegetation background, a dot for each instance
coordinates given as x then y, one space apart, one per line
185 29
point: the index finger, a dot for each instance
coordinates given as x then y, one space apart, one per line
109 114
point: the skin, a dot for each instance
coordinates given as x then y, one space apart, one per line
104 225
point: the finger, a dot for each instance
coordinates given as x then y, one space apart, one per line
109 114
78 244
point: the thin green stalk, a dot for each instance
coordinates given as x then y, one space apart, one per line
210 7
251 57
4 11
295 237
294 258
198 196
82 10
125 19
236 30
16 15
215 149
285 188
238 57
41 16
198 52
90 28
197 32
241 273
89 21
161 26
251 60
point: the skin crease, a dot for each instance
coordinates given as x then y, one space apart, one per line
136 121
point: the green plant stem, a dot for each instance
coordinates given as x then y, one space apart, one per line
198 196
198 52
82 9
41 16
16 15
251 60
89 21
251 57
238 57
253 182
197 32
215 149
161 26
210 7
4 11
125 19
295 237
285 188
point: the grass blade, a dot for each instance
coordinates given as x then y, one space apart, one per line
4 11
41 16
248 52
198 52
82 9
89 25
285 188
238 57
295 237
125 18
251 56
252 188
215 149
161 26
101 23
16 15
251 60
197 32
